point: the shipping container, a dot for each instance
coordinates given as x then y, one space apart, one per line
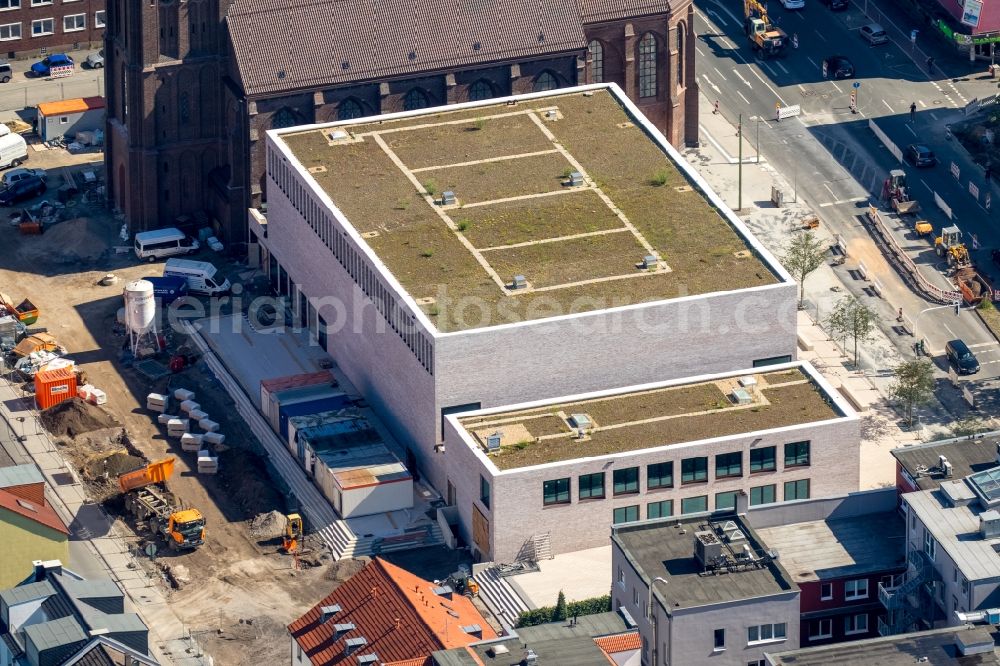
363 480
268 386
308 406
297 424
54 386
294 396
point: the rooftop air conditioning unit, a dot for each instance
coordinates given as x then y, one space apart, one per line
338 135
989 524
497 650
448 198
580 421
370 658
529 657
575 179
742 397
707 547
748 381
649 262
520 282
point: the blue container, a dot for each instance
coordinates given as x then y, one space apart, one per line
168 289
324 404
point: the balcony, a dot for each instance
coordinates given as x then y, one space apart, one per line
887 596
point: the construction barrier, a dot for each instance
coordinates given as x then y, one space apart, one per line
863 270
877 288
905 264
942 205
886 141
841 244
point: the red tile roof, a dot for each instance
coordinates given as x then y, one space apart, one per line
285 45
40 512
619 642
396 612
597 11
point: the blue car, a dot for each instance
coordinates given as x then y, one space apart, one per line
44 67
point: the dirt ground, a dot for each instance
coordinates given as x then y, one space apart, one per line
234 593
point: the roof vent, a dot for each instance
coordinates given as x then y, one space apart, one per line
519 282
974 641
529 657
338 135
27 505
497 650
493 441
957 493
748 381
580 421
945 466
326 612
447 198
352 645
575 178
477 46
341 629
649 262
370 658
707 547
989 524
443 591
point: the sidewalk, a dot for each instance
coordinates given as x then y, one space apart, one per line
716 161
96 537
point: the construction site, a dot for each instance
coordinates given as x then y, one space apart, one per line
209 527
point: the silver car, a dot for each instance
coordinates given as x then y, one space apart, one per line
14 175
874 34
94 61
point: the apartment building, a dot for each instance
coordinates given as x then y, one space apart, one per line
952 541
703 590
29 28
493 252
926 466
572 467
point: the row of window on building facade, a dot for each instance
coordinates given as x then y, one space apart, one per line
43 27
694 470
320 221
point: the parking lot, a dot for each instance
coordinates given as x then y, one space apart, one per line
24 92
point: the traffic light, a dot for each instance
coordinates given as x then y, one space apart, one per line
958 307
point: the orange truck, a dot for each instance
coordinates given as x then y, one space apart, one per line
147 499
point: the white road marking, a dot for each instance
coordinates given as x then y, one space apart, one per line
985 344
929 188
834 83
737 72
698 50
887 106
911 131
780 66
720 73
783 102
715 87
933 115
813 63
769 68
802 89
922 103
741 95
820 35
828 189
716 16
842 201
949 330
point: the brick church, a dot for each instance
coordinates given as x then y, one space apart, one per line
193 85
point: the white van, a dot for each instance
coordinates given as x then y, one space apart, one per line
167 242
202 277
13 149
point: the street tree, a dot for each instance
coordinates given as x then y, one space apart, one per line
852 319
913 385
803 255
559 612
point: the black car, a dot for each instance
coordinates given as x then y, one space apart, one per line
838 67
962 357
26 188
837 5
920 156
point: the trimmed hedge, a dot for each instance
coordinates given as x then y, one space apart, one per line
574 608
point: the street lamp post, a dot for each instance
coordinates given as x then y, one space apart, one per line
652 616
739 177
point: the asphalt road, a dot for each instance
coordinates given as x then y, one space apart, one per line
23 91
836 163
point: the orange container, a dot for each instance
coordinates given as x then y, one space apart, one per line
54 386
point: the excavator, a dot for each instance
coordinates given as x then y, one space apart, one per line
766 38
949 244
147 499
293 533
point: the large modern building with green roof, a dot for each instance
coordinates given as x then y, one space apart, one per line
516 249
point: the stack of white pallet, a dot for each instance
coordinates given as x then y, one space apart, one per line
183 394
191 442
157 402
164 419
207 463
177 427
188 406
208 425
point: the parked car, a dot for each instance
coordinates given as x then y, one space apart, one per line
14 175
44 67
793 4
874 34
26 188
961 357
94 61
5 72
920 155
837 5
839 67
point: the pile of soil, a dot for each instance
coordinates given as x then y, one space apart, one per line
341 570
267 525
245 477
75 416
115 465
76 239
